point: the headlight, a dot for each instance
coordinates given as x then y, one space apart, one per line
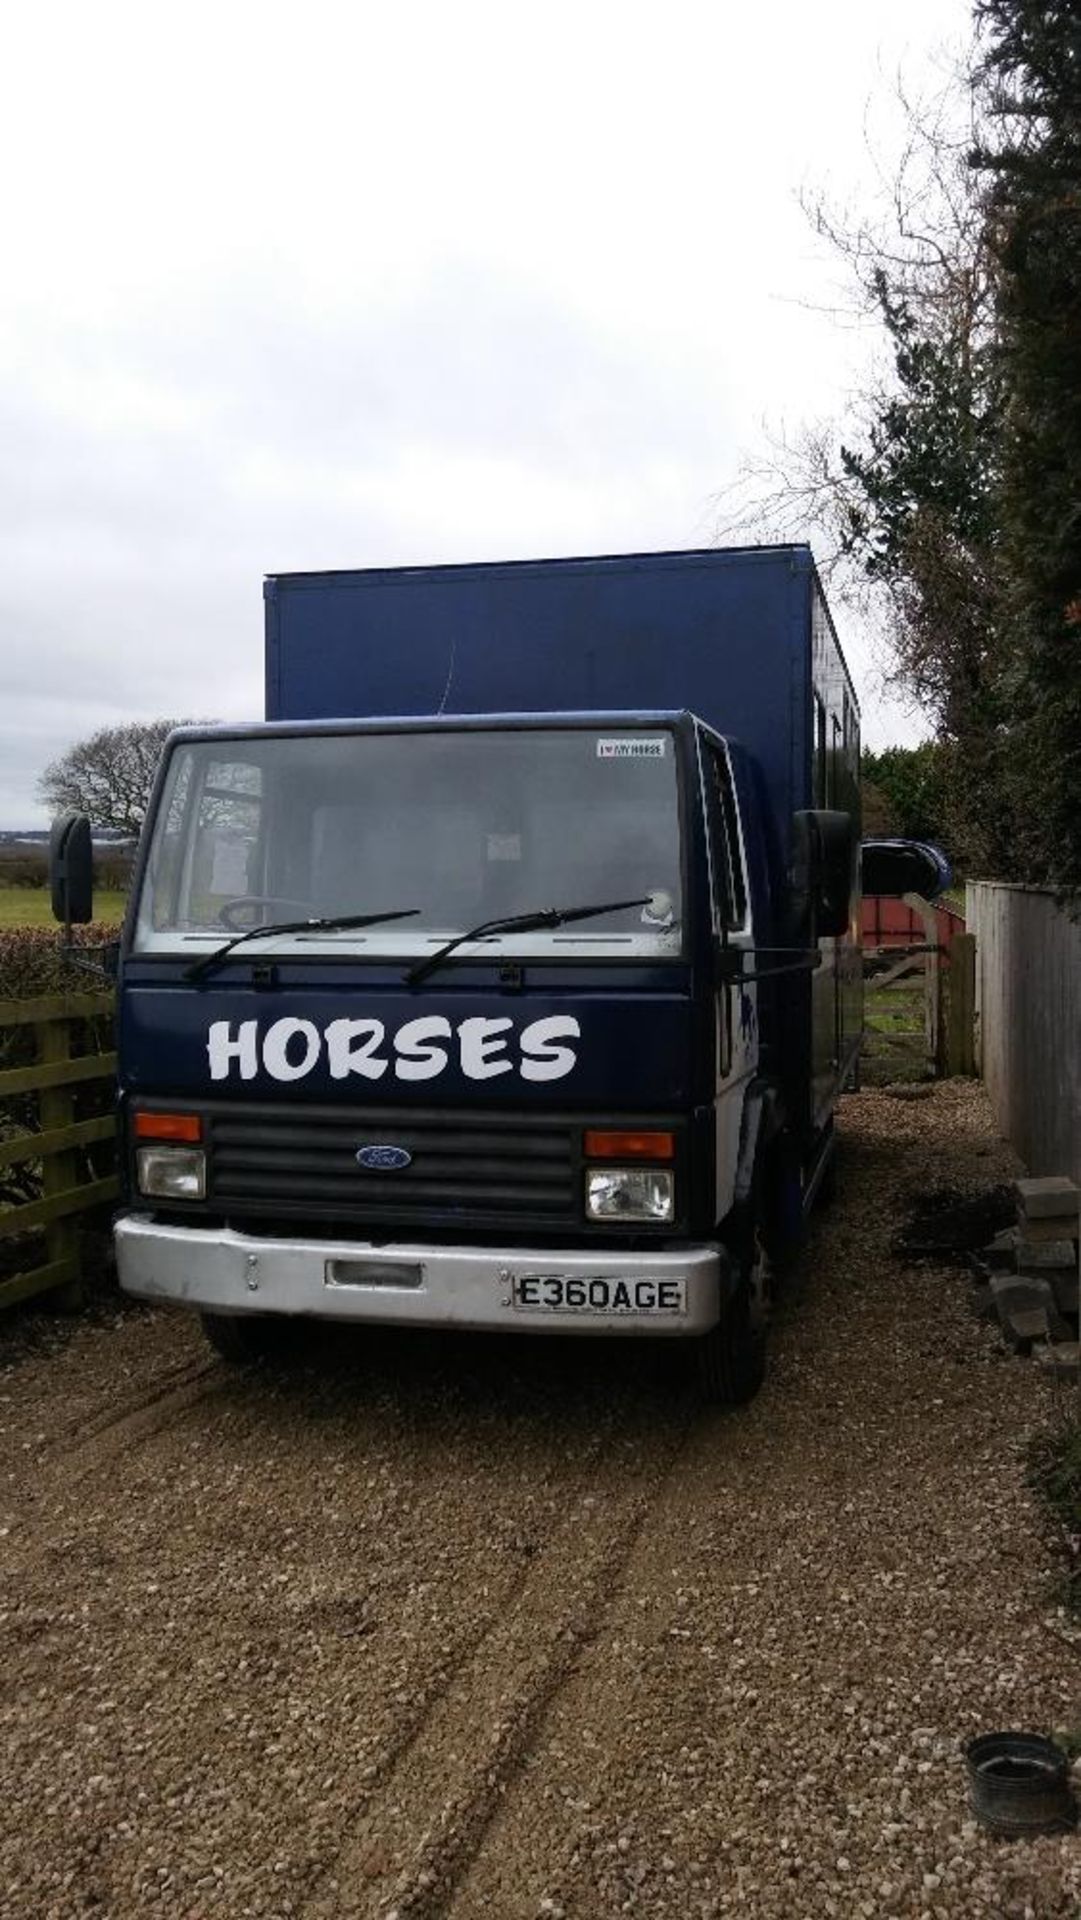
172 1173
630 1193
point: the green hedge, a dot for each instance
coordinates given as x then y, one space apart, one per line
29 867
32 963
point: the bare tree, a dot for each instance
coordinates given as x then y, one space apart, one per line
891 491
109 775
901 494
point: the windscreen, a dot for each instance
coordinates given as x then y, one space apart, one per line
463 827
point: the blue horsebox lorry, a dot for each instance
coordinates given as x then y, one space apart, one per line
508 974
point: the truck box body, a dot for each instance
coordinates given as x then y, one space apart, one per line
742 637
577 1068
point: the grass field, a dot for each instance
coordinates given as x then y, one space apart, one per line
30 907
895 1043
894 1009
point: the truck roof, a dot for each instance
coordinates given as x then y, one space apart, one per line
679 557
420 723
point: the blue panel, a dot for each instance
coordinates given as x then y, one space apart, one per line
632 1050
724 633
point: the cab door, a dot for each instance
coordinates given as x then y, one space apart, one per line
736 1003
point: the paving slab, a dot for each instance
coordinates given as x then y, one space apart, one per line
1046 1256
1024 1329
1027 1310
1022 1293
1049 1226
1000 1254
1049 1194
1067 1289
1062 1357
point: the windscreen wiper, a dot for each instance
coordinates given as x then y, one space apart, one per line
519 923
335 923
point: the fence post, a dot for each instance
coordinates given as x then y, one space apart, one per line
56 1108
932 976
960 1035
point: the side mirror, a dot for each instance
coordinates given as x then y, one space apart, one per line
71 869
897 867
823 859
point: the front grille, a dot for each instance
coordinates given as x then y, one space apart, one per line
464 1169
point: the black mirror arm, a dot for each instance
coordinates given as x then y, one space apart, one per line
74 956
731 959
810 964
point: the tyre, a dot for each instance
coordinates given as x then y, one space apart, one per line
827 1186
731 1357
780 1209
243 1339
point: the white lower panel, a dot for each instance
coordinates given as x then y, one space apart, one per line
675 1291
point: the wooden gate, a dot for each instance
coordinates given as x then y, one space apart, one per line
919 1003
46 1135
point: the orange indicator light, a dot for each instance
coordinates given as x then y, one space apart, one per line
167 1126
622 1145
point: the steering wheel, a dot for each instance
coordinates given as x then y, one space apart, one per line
227 913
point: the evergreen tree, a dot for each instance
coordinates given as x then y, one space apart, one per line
1031 162
921 520
954 488
911 784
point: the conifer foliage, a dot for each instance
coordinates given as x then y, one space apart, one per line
947 501
1029 162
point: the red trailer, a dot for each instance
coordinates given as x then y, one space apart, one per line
888 922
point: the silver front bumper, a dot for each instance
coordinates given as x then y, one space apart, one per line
219 1271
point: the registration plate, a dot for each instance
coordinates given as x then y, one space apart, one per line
596 1293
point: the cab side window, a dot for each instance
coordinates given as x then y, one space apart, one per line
730 891
819 774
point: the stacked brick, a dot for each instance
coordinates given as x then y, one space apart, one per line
1030 1274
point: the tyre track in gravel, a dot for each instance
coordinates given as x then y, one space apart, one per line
43 1425
462 1630
839 1587
96 1445
397 1758
443 1493
448 1776
171 1380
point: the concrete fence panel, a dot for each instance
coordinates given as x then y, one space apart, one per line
1028 1012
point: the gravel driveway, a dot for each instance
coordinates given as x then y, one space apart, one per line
439 1627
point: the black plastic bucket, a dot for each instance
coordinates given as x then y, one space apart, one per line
1019 1784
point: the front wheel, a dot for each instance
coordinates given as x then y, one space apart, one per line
731 1357
243 1339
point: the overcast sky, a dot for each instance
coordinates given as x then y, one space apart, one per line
353 285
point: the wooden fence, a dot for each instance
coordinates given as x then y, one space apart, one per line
1029 1020
53 1136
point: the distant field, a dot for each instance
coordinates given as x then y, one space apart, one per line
30 907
